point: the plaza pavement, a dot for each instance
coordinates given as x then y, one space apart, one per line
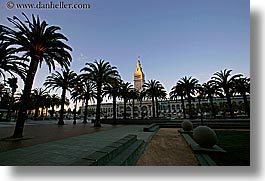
51 144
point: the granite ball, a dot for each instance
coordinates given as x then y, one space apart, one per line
187 125
204 136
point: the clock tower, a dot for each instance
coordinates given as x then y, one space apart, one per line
138 76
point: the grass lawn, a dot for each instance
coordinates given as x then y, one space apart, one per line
237 145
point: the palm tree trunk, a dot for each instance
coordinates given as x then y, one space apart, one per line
74 122
97 121
10 106
61 122
153 106
42 111
190 112
52 113
246 104
36 113
85 112
25 99
114 108
212 106
46 112
230 105
156 105
183 106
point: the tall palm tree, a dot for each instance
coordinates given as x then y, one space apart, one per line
113 89
152 90
225 81
188 84
178 91
36 42
101 73
242 86
125 90
64 80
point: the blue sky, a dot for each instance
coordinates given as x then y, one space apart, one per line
174 38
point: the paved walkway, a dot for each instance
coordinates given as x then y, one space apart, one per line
62 145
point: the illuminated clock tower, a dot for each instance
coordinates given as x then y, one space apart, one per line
138 76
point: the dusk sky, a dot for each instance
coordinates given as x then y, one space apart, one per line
174 38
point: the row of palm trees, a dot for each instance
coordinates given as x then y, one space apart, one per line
24 47
221 84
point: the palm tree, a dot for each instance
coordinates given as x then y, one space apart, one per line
113 89
55 101
38 97
178 91
125 90
152 90
76 94
64 81
101 73
88 92
9 62
36 42
225 81
242 86
211 90
160 95
133 94
12 82
188 84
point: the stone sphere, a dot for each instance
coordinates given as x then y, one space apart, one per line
204 136
186 125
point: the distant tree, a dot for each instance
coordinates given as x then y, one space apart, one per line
113 90
189 84
101 73
154 89
133 94
55 101
211 91
242 86
178 91
125 90
225 81
38 97
12 82
88 92
65 81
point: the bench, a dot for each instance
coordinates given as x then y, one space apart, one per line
151 128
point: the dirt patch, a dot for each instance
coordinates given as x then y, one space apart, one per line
167 148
